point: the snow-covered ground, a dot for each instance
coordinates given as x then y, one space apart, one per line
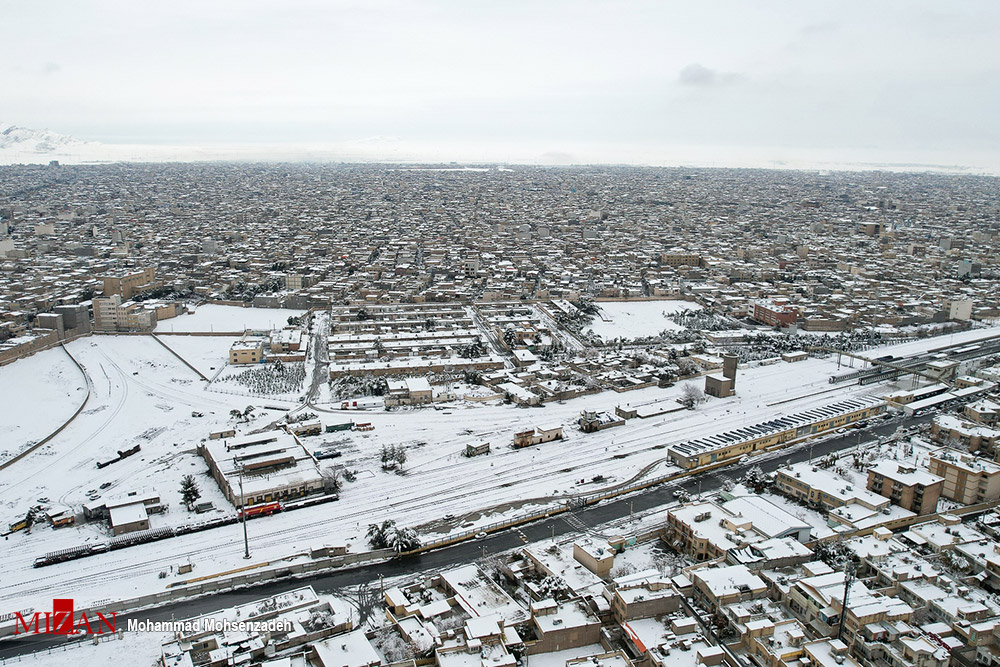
209 354
153 408
37 394
144 395
212 317
635 319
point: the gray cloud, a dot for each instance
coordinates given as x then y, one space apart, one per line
697 74
819 28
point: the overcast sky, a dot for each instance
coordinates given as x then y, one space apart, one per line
896 79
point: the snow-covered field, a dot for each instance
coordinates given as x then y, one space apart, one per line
154 408
212 317
209 354
144 395
37 394
634 319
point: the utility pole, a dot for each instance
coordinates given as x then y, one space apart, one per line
871 333
243 512
848 580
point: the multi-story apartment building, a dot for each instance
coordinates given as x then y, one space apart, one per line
127 284
906 486
110 314
678 257
824 488
246 351
775 313
967 478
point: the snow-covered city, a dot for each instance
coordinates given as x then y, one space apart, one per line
548 334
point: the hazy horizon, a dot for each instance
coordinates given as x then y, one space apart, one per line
630 82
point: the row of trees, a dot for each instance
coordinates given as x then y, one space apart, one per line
348 386
244 291
276 378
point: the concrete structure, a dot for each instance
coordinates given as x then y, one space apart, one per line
742 441
111 314
645 594
409 391
477 450
719 586
275 467
126 284
775 313
596 557
955 431
678 257
246 351
824 488
707 530
537 436
967 478
906 485
128 518
718 386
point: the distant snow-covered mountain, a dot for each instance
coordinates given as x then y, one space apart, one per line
26 141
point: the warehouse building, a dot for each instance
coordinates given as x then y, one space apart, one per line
275 467
742 441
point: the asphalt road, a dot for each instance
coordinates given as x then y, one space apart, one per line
465 552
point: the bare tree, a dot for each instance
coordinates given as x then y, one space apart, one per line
363 599
691 396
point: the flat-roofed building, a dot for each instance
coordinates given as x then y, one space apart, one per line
722 585
112 314
905 485
679 257
967 479
824 488
409 391
129 518
126 284
247 351
973 436
775 313
275 467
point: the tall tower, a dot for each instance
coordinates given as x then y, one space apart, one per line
729 367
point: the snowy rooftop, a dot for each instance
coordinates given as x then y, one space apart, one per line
965 427
966 462
729 580
480 596
768 519
755 431
833 485
907 475
351 649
